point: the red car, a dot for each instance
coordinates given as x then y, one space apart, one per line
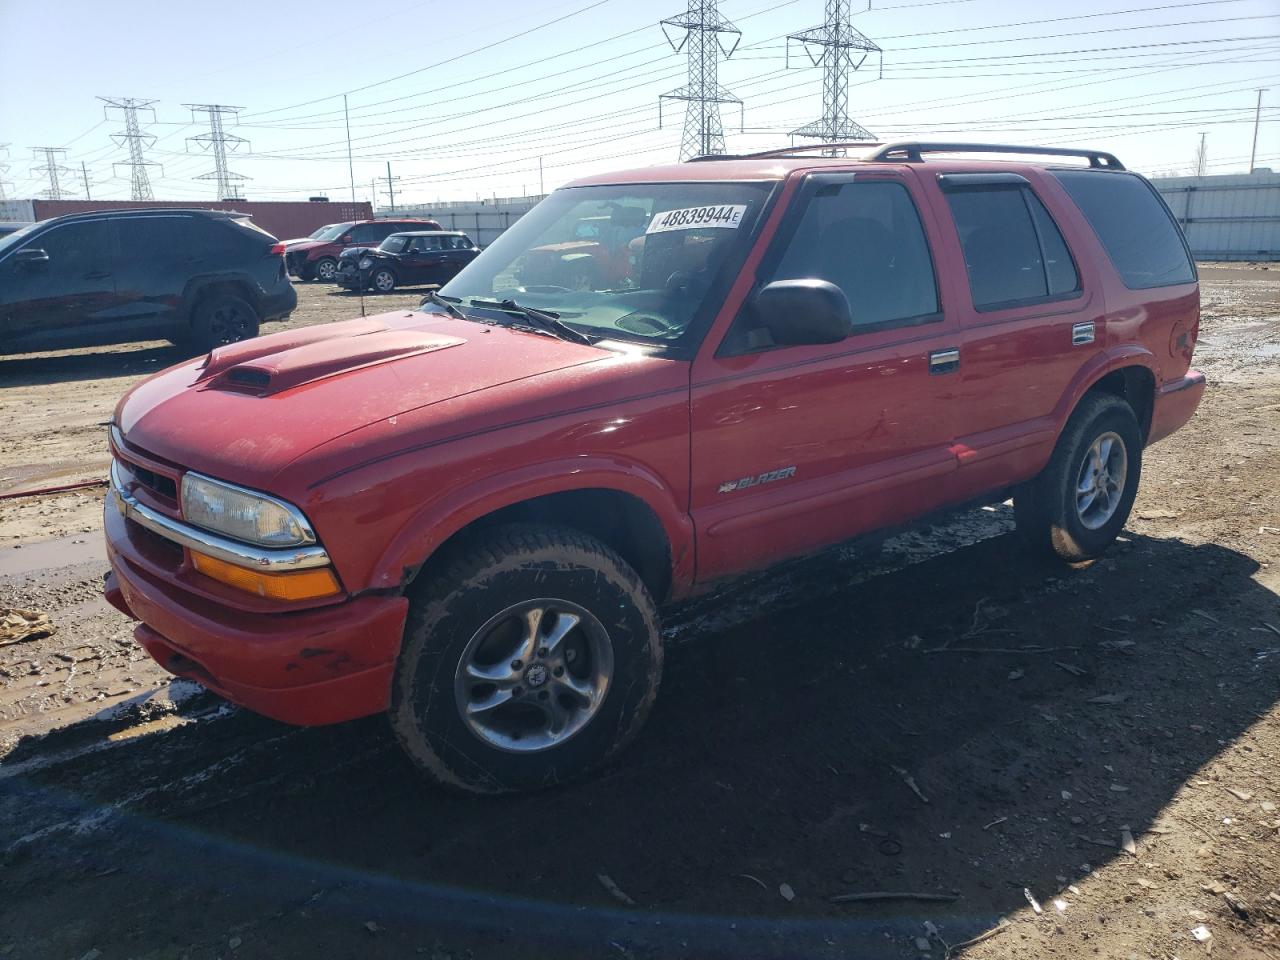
470 515
317 258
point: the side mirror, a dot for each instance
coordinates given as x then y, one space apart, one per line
31 258
803 311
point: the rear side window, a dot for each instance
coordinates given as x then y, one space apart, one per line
1013 251
1134 226
155 239
866 238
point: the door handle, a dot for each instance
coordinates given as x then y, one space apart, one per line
944 361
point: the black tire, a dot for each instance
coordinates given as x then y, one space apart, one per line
388 280
220 319
1047 510
477 587
325 269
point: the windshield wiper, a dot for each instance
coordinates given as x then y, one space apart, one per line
434 297
543 320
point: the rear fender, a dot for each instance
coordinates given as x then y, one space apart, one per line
1108 361
440 519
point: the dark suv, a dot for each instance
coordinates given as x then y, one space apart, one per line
406 259
200 278
317 259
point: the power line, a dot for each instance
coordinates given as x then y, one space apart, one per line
218 140
836 38
133 137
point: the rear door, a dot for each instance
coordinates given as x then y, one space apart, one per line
1031 314
72 296
794 447
158 255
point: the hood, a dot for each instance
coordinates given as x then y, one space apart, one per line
249 409
308 244
351 253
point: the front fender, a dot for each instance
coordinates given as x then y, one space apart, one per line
439 519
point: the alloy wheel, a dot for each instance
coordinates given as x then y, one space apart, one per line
1100 482
534 675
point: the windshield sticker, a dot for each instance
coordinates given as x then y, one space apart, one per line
692 218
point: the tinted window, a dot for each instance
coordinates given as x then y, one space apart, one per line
459 243
1001 251
155 238
372 232
866 238
394 244
75 249
1134 226
213 239
1058 265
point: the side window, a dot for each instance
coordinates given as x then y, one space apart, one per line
76 249
867 239
1058 265
1013 251
370 233
155 239
1134 226
430 243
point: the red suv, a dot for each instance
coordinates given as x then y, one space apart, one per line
469 516
317 258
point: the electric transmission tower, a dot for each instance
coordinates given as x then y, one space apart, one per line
836 40
703 25
219 141
52 169
136 140
4 168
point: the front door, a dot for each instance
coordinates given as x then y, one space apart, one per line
72 295
795 447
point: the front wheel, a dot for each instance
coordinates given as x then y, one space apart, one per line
527 661
384 281
1080 503
326 269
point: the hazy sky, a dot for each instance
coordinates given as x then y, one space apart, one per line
463 98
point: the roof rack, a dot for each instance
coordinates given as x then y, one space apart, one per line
913 152
788 151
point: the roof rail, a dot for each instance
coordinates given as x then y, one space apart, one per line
788 151
913 152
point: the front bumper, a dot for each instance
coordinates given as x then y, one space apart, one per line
1174 405
352 279
321 665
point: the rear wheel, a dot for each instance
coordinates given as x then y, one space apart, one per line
1081 501
326 269
527 661
383 280
221 319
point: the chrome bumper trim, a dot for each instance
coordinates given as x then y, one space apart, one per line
221 548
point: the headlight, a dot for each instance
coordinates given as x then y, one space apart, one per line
365 263
242 514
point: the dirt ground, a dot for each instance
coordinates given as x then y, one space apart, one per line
939 718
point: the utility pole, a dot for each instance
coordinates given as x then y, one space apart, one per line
52 169
4 168
351 170
136 140
542 189
220 142
836 40
391 188
1257 118
702 24
1202 157
84 172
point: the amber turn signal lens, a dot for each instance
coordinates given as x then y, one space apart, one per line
296 585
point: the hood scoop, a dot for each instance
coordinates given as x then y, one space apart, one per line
290 365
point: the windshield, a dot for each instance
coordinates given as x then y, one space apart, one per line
319 231
332 232
13 240
394 243
625 261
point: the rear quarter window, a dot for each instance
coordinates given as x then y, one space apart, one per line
1133 225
